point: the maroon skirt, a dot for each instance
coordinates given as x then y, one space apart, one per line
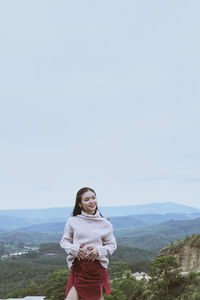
88 277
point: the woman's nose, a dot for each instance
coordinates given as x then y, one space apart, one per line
91 200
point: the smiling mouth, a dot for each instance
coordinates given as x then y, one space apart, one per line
92 206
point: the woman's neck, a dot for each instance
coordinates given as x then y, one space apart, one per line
90 212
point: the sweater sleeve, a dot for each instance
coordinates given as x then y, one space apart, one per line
109 243
67 240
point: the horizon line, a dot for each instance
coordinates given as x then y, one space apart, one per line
101 206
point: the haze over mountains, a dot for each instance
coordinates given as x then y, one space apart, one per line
53 219
151 226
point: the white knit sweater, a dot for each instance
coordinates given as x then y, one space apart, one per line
90 230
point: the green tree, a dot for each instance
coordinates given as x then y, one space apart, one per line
2 249
126 289
17 293
32 290
54 288
166 277
116 269
48 247
191 286
140 266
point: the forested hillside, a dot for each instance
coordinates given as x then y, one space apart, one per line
157 236
151 237
40 274
28 271
139 238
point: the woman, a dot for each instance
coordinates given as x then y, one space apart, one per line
87 239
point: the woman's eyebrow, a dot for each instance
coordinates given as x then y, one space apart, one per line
89 197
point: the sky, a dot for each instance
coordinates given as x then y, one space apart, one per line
103 94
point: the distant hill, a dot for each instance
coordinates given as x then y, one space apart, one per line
149 237
118 222
149 219
7 222
46 227
12 219
125 224
54 214
155 237
63 212
31 239
158 218
152 208
131 254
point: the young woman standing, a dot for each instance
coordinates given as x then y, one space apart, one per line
87 239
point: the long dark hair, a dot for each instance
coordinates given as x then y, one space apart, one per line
77 209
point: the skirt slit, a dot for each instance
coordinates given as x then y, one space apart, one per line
88 277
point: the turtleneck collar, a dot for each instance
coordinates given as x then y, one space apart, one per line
96 216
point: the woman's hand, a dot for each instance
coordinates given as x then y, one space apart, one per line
81 253
93 253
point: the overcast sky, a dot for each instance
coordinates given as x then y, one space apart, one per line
99 93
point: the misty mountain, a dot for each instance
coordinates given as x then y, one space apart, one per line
132 232
39 215
63 212
157 236
45 227
8 222
118 222
152 208
126 222
153 213
157 218
150 237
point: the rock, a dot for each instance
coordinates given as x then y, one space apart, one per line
186 252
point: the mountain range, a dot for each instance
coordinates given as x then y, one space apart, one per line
167 222
136 215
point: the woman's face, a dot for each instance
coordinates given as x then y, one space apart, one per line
89 202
